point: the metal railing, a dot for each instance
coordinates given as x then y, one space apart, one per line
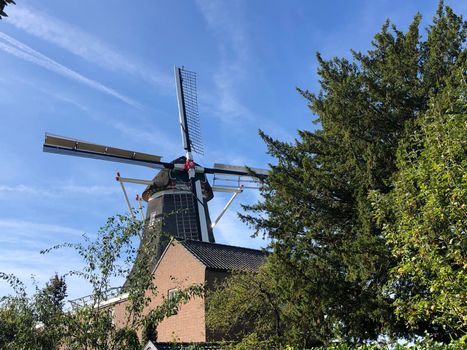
90 300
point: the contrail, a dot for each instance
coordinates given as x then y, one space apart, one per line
83 44
25 52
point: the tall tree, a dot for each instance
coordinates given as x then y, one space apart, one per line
316 207
112 254
424 217
38 322
35 322
274 311
3 3
48 304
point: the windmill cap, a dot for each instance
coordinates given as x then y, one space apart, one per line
165 178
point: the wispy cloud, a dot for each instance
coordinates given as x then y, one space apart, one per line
56 192
82 44
233 47
23 189
224 22
25 52
90 190
164 143
59 96
32 268
20 245
228 25
29 227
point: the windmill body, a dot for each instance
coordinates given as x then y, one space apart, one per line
178 195
171 210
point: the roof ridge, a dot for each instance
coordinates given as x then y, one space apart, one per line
262 250
223 256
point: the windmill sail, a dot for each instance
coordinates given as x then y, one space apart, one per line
74 147
188 110
191 136
226 169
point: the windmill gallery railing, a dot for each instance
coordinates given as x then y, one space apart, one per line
110 297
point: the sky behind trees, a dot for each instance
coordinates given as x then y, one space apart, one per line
102 71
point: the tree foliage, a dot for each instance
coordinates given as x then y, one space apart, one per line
3 4
245 301
277 310
39 322
34 322
424 217
316 208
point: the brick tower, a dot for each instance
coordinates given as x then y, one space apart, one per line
172 210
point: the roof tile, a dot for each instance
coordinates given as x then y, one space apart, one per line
225 257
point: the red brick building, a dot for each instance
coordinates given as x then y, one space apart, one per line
187 262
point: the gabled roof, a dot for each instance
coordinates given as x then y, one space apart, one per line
185 346
150 346
225 257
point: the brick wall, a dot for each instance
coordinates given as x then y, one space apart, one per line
177 269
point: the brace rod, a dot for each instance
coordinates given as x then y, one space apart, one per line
119 179
228 188
239 179
225 189
231 189
239 190
135 181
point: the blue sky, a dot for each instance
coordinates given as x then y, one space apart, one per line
102 71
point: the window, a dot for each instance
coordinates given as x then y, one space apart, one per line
112 315
171 293
152 219
172 304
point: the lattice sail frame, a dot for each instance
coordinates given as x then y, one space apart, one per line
190 97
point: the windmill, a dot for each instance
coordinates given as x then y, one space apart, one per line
177 196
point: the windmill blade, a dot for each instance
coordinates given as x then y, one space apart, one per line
236 170
73 147
188 110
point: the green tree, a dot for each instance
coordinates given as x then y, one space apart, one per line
316 208
424 217
39 322
246 300
16 318
32 322
48 304
4 3
112 254
276 310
